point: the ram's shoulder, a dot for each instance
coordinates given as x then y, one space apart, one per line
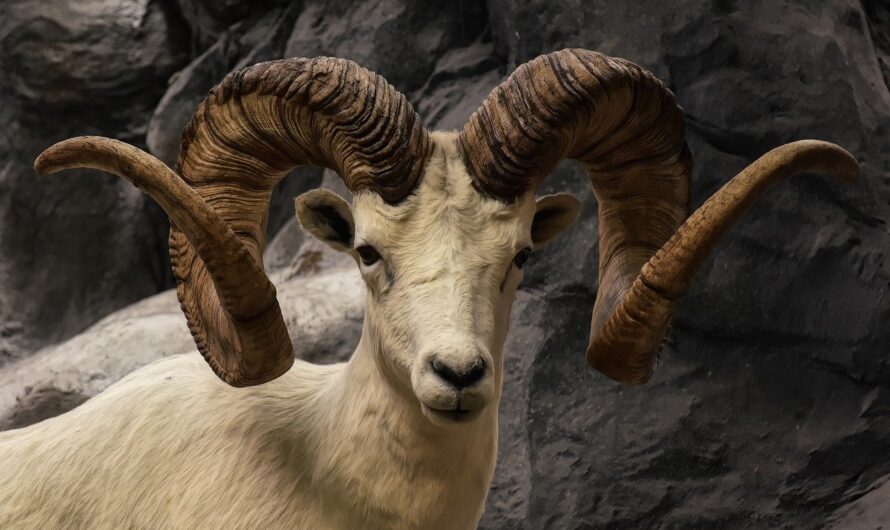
180 368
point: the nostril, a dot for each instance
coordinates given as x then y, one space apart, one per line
460 378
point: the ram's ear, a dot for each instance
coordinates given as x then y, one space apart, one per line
554 214
328 217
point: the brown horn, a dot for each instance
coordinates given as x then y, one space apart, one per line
249 132
245 291
625 127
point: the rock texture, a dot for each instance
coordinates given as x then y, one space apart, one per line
772 406
75 247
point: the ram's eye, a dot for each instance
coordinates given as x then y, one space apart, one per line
522 257
368 254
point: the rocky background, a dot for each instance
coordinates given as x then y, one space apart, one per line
772 406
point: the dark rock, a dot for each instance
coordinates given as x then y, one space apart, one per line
207 19
96 54
38 404
399 40
877 19
871 510
77 246
771 407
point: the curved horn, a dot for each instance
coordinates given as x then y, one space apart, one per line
249 132
626 129
245 291
628 342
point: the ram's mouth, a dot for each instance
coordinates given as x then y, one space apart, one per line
450 416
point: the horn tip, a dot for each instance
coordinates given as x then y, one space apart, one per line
846 166
61 154
44 164
241 380
829 157
850 171
617 369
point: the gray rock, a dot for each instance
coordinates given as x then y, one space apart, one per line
207 19
75 247
871 510
770 409
37 404
401 41
293 252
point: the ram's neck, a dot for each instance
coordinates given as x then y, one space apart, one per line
376 447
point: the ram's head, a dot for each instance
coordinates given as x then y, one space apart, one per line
442 266
440 224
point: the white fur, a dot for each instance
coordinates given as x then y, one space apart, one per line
351 445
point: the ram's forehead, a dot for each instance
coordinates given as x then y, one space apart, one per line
445 194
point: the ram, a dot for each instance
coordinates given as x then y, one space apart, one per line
404 434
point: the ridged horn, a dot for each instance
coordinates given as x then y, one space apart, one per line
250 131
626 129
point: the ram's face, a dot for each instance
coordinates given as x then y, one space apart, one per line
441 268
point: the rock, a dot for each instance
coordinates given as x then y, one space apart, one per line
37 404
206 19
399 40
281 252
770 407
75 247
877 19
872 510
95 53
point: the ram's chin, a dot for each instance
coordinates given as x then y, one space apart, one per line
450 417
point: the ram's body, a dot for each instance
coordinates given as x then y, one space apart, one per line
172 446
404 434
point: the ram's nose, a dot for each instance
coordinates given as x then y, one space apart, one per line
459 374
